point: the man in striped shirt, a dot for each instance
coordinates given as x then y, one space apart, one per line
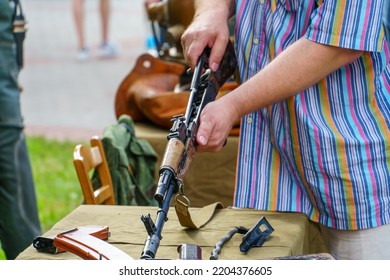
314 105
386 19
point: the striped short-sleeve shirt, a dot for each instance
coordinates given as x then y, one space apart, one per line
326 151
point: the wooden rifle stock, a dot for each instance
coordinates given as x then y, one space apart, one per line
46 244
88 247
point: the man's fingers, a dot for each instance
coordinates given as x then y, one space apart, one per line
193 46
208 139
204 132
217 51
193 55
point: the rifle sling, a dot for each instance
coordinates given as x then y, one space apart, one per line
202 217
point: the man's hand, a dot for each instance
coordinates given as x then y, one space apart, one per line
216 121
208 29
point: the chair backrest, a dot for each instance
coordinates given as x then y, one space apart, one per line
86 159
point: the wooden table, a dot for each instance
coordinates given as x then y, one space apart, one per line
293 234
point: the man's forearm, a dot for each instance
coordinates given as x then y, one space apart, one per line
297 68
224 6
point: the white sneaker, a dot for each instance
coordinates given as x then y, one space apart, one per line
83 54
108 50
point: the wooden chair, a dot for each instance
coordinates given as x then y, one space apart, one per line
86 159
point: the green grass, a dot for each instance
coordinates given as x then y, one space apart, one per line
57 187
56 184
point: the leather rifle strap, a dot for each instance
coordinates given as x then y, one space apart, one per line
194 221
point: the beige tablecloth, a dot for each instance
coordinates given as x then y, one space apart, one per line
293 234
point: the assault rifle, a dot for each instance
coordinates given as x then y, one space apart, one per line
181 146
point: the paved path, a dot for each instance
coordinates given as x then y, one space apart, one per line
66 99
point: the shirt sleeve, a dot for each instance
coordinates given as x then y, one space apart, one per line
348 24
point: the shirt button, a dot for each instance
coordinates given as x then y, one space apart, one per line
249 120
256 41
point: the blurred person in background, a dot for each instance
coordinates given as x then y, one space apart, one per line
19 222
106 49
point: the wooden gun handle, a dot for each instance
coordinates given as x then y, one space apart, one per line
101 232
45 244
88 247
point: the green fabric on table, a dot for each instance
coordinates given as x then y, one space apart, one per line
132 164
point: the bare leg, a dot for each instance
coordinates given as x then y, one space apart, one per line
105 18
107 48
78 14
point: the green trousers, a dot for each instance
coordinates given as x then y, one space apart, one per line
19 222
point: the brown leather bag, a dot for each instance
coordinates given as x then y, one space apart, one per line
148 92
150 77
